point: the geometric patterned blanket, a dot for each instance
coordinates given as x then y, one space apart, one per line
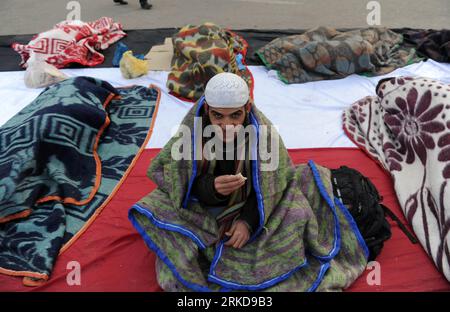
61 158
406 129
325 53
71 42
306 239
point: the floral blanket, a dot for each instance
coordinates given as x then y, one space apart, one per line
406 128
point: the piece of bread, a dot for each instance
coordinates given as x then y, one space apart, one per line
241 176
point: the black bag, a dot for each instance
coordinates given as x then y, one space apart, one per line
363 201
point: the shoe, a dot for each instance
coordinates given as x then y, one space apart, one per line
121 2
146 6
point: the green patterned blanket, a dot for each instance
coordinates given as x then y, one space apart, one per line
200 52
61 158
306 239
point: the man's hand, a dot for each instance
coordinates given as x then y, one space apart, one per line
227 184
239 234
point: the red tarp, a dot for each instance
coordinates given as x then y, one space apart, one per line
113 257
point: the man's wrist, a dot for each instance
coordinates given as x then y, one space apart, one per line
215 192
249 228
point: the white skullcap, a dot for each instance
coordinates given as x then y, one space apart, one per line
226 90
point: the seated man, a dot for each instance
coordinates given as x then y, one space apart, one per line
214 188
251 221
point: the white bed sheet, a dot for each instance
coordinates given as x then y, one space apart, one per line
308 115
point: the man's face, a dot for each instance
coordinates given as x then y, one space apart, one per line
224 117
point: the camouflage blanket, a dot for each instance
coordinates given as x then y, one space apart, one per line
325 53
61 159
200 52
306 239
406 128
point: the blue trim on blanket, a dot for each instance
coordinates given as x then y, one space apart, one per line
168 226
194 162
353 225
323 269
260 286
163 257
213 278
255 174
337 229
217 255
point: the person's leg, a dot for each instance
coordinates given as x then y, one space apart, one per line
145 5
122 2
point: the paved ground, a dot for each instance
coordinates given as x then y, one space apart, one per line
31 16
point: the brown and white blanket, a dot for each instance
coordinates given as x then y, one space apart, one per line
406 128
